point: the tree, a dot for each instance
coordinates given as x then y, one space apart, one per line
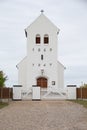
3 78
83 86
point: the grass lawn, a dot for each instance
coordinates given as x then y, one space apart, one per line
82 102
3 105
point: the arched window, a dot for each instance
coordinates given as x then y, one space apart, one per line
46 39
38 39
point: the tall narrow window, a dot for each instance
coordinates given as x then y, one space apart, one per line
46 39
41 57
38 39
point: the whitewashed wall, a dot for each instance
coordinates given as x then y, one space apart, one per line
22 70
60 75
17 93
71 92
36 93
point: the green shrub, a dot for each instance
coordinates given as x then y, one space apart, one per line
83 86
3 78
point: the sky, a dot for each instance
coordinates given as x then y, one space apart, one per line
70 16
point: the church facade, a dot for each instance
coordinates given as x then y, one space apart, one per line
41 66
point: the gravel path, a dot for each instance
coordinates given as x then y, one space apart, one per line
43 115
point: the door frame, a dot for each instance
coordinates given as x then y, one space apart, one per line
44 77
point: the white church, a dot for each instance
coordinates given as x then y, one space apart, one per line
40 68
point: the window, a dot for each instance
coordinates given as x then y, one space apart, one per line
46 39
41 57
53 82
38 39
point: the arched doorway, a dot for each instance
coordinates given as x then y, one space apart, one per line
42 82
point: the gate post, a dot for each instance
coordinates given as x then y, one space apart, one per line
71 92
35 93
81 93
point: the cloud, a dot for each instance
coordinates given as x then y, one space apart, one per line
69 16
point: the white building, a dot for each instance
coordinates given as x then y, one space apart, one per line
40 67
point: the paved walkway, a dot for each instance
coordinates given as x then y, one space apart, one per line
43 115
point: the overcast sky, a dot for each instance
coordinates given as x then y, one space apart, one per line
70 16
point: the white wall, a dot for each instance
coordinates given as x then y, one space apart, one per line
17 93
22 72
71 91
60 75
36 93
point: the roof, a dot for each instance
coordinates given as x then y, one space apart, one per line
61 64
22 61
41 19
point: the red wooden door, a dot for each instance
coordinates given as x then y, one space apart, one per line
42 82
